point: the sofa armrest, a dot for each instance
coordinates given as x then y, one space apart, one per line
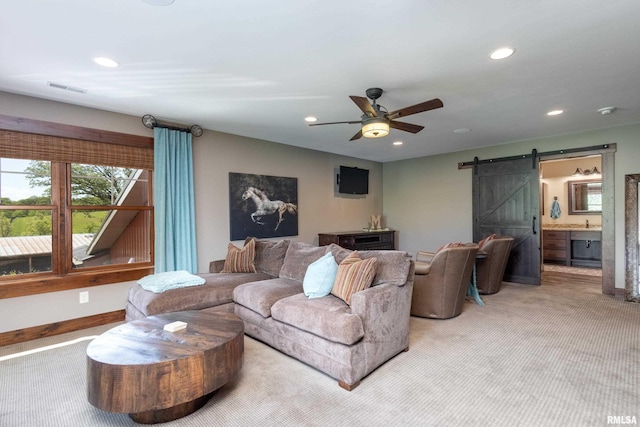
216 266
423 268
385 311
423 256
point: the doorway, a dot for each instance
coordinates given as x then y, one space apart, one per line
571 219
607 156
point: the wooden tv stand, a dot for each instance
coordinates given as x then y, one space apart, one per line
360 240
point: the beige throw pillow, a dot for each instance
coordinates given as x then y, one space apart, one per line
240 260
354 275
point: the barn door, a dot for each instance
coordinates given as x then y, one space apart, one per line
506 202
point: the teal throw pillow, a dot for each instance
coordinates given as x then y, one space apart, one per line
320 275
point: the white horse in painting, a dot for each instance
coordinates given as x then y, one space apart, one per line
264 206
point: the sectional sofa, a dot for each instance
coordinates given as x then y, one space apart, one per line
346 340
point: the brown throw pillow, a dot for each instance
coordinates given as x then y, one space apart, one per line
354 275
485 240
240 260
450 245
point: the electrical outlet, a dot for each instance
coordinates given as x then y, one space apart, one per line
84 297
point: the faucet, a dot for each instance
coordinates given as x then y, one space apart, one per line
587 221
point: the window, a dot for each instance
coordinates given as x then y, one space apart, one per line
73 212
109 215
25 218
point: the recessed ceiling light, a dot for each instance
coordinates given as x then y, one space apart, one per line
462 130
503 52
606 110
159 2
398 143
310 119
554 112
106 62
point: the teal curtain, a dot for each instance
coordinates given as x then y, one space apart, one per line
174 206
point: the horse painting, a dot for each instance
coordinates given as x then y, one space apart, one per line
264 206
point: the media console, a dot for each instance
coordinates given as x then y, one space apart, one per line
360 240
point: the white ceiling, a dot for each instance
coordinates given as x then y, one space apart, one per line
257 68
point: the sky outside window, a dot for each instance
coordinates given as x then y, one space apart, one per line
13 180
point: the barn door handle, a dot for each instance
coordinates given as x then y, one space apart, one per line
534 225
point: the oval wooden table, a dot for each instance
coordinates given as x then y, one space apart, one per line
158 376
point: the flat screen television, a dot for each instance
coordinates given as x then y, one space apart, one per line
353 180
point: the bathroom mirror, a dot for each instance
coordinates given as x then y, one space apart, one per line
585 197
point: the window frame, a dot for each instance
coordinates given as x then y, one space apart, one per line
64 277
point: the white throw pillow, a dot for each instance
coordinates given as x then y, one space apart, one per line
320 275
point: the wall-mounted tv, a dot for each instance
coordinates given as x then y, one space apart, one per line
353 180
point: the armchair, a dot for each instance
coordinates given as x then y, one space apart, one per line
441 281
490 271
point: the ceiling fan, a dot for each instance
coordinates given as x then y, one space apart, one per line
376 120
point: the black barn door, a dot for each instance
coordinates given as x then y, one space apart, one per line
506 202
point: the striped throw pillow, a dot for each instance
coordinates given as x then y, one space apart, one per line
485 240
354 275
240 260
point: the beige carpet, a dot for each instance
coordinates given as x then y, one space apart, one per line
555 355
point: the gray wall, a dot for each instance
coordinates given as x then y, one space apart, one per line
320 208
428 200
215 155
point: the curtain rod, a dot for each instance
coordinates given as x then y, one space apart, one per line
151 122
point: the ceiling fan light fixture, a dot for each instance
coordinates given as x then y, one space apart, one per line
375 127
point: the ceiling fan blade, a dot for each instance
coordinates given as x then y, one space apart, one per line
334 123
364 105
356 136
407 127
418 108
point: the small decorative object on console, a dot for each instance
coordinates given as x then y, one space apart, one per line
375 222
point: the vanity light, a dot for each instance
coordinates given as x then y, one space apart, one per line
397 143
580 172
106 62
555 112
310 119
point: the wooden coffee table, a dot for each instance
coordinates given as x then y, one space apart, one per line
157 376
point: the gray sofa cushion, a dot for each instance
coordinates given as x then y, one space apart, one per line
328 317
270 255
218 289
393 266
260 296
339 253
299 256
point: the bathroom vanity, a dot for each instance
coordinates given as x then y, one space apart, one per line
577 247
